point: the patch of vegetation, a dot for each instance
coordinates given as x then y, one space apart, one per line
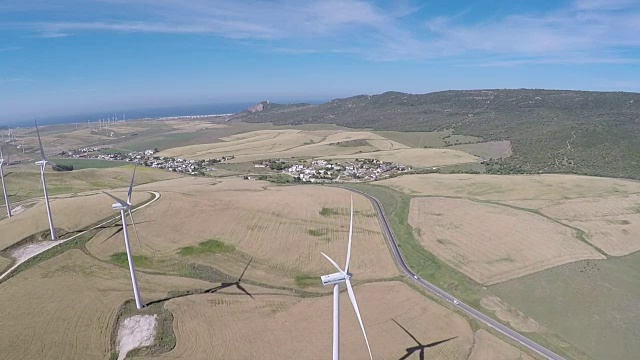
352 143
304 281
279 178
61 167
120 259
211 246
326 212
318 232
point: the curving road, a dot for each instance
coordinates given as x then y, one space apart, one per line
51 244
499 327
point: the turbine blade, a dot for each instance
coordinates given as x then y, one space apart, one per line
245 270
135 230
40 142
121 202
346 267
1 157
131 186
241 288
332 262
352 297
407 331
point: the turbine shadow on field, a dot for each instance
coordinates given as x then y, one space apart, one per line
420 347
212 290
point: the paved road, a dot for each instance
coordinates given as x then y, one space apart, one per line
514 335
51 244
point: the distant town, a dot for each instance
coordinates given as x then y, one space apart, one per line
313 171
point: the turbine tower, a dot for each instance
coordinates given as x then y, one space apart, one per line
335 279
124 207
43 165
4 187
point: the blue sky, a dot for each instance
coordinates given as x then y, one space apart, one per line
79 56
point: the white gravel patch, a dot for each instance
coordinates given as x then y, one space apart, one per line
136 332
26 252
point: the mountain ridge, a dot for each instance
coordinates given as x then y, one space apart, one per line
551 131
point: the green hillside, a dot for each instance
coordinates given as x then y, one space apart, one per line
551 131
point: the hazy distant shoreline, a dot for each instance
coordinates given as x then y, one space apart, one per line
170 112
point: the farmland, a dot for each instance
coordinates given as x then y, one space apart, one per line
65 308
238 327
283 229
70 213
23 182
487 346
260 145
492 243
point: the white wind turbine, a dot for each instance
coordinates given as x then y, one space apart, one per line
4 187
125 207
43 165
343 276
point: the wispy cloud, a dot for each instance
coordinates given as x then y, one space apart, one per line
11 80
599 30
588 26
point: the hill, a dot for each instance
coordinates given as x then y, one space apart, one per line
551 131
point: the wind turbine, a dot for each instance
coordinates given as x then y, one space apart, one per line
335 279
125 207
43 165
4 187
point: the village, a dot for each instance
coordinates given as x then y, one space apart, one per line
313 171
327 171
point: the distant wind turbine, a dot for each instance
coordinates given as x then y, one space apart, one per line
4 187
43 165
335 279
124 207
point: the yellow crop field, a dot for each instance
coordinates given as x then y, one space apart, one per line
64 308
512 187
69 212
487 346
282 228
285 327
265 144
611 223
24 181
493 243
417 157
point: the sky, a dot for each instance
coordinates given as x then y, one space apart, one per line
61 57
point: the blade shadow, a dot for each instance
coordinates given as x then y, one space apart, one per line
420 347
212 290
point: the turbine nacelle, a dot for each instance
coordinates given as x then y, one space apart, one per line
42 163
335 278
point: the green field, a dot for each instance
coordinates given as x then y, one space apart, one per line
79 164
595 305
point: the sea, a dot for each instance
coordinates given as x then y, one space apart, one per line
192 110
